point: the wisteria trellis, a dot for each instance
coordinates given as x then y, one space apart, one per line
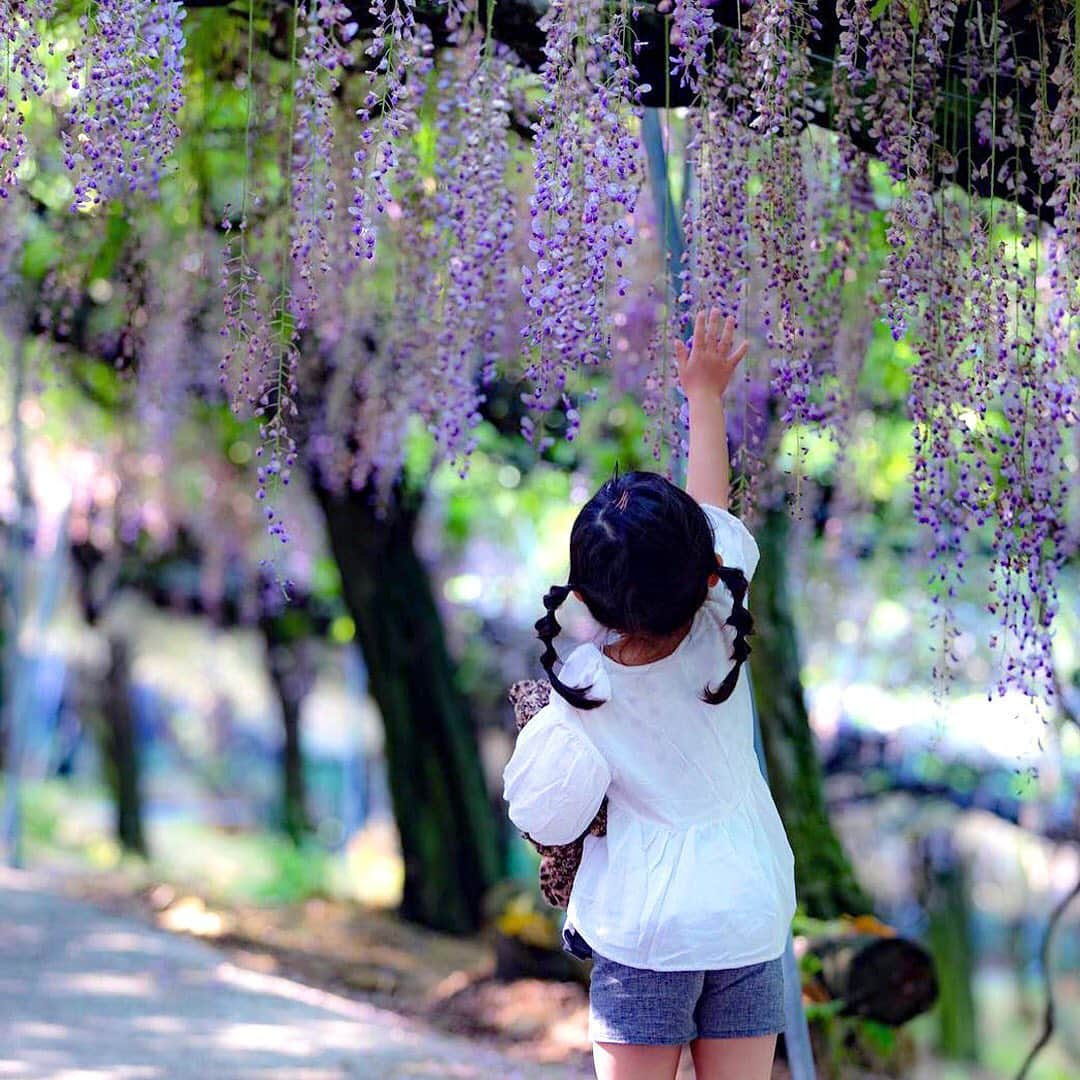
776 219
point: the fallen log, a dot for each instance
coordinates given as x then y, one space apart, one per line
887 979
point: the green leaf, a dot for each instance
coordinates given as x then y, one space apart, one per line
823 1010
880 1037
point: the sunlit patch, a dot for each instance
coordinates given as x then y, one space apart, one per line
443 1068
39 1030
190 915
343 629
103 984
121 941
305 1038
375 873
969 418
464 588
119 1072
257 982
509 476
159 1024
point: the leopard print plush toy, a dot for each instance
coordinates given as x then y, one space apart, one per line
558 863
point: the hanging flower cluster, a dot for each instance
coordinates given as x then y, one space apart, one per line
776 62
476 207
22 80
1037 381
586 182
715 221
272 348
938 288
777 214
399 380
327 28
127 87
385 118
692 30
992 393
245 326
404 148
171 350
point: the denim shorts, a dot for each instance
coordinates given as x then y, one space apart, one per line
642 1007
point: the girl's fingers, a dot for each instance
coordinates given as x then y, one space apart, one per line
714 323
682 354
699 330
740 353
728 335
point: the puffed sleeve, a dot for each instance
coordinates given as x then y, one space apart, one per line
733 541
556 778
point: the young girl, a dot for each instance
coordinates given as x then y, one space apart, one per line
685 904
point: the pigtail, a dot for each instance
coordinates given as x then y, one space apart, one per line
547 629
743 623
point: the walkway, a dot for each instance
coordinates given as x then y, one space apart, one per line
88 996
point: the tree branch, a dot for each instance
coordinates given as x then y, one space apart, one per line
1049 1016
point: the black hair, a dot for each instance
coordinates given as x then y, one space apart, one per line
641 555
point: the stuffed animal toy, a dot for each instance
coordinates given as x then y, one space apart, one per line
558 863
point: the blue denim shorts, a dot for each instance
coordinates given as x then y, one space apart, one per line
642 1007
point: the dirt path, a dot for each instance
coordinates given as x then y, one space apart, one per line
87 996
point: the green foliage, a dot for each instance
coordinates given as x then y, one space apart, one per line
61 822
297 872
823 1012
82 402
851 1046
42 807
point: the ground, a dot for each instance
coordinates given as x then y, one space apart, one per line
87 994
116 976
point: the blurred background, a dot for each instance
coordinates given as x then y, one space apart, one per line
294 750
182 738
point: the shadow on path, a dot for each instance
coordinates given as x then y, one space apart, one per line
85 995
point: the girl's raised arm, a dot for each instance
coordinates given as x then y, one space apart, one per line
705 371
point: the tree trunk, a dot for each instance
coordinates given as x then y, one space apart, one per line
292 675
449 835
825 880
294 810
122 750
948 910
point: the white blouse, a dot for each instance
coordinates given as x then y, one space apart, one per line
695 871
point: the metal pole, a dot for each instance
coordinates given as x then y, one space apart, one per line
671 232
14 673
796 1031
800 1053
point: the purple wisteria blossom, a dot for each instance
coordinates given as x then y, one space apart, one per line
396 46
327 29
475 208
587 175
404 149
23 78
126 80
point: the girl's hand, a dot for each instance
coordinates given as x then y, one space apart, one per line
706 368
